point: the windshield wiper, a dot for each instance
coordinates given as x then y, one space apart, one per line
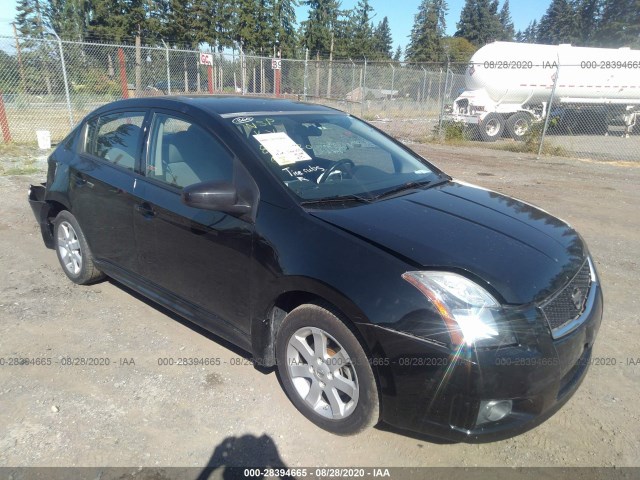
338 198
410 186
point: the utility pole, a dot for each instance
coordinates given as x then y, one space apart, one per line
47 77
20 66
306 73
318 74
330 68
138 64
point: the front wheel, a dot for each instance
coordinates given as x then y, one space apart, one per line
325 371
491 127
73 251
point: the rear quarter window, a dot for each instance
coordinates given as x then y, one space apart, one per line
115 138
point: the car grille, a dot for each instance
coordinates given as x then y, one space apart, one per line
570 302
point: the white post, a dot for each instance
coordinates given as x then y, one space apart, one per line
306 72
166 50
64 77
548 112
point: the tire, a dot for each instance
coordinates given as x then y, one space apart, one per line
517 125
491 127
73 251
339 392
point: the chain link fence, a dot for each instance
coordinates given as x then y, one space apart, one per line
49 85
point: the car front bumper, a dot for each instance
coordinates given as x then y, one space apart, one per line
427 389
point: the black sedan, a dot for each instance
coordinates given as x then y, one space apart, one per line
381 289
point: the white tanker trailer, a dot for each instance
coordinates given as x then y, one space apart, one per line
509 85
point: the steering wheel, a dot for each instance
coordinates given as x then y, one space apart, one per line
345 161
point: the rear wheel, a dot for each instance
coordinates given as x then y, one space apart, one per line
518 125
325 371
73 251
491 127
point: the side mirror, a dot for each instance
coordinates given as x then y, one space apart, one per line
217 196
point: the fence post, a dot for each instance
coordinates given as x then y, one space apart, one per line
166 51
548 109
306 73
4 123
138 64
353 81
123 74
363 89
243 70
210 77
443 99
66 82
424 85
393 77
278 73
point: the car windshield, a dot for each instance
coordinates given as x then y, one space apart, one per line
322 157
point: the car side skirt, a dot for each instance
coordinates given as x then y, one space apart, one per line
185 309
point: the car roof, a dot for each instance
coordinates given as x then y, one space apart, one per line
222 105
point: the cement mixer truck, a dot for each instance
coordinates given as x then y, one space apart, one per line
509 85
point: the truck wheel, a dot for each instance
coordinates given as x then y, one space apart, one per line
491 127
518 125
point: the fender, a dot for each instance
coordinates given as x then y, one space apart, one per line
288 293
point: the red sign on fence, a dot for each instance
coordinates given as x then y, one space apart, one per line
206 59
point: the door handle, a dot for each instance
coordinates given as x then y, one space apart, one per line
146 210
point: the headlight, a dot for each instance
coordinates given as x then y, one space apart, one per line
470 313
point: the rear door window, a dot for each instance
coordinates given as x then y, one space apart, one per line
116 138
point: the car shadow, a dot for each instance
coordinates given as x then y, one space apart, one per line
234 455
192 326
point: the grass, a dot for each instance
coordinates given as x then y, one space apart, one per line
18 159
23 170
522 147
457 134
11 149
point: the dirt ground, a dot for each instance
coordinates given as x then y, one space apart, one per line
135 412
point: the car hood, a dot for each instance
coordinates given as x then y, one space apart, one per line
521 252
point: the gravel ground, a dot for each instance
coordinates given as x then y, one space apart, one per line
135 412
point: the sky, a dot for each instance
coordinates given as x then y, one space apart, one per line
399 12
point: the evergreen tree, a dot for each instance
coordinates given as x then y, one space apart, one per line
68 18
116 20
30 18
180 23
265 38
398 55
221 27
589 14
620 24
383 43
479 22
425 41
530 33
360 31
202 17
252 26
322 20
508 31
558 24
284 17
